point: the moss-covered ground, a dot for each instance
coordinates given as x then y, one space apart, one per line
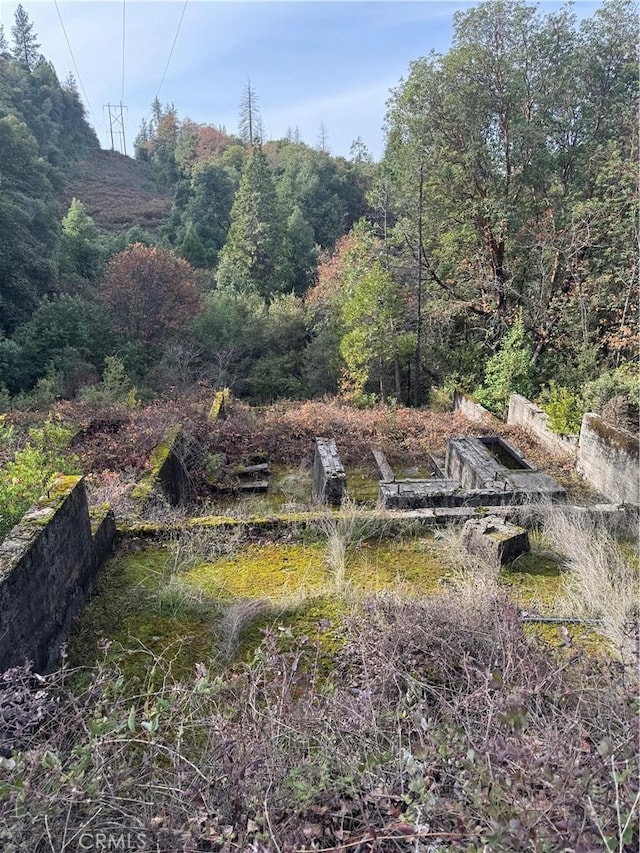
148 606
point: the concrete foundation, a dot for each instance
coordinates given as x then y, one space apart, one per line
608 459
495 540
523 412
329 478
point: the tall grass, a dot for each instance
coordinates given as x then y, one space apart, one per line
602 583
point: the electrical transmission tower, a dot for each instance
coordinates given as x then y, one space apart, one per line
116 126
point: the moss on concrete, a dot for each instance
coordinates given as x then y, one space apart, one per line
143 490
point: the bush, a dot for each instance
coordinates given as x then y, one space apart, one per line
26 475
620 386
563 407
438 725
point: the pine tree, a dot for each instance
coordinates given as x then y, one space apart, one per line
3 39
25 46
254 258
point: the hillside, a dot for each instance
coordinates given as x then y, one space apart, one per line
118 192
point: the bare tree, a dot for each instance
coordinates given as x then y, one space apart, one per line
250 123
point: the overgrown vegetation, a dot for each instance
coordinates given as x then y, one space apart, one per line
485 263
29 466
441 724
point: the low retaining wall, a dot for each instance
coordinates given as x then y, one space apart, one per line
49 565
523 412
166 470
470 409
608 459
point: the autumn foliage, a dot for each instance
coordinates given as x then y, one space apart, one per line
150 292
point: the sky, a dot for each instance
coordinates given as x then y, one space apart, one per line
312 64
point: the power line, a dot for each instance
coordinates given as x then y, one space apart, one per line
123 43
172 47
75 65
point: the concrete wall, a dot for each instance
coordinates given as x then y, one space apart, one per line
523 412
470 409
49 565
166 470
608 459
329 478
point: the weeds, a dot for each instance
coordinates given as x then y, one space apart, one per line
439 723
344 531
190 548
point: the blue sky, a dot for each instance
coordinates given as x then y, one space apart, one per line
311 63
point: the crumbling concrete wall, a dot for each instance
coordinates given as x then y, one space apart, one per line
470 409
495 540
608 459
49 566
329 478
166 470
523 412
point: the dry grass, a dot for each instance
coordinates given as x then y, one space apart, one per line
438 722
602 582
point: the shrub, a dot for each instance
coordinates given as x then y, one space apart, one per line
563 407
439 725
26 475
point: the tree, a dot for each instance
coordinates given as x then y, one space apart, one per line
68 334
150 293
492 152
374 340
25 44
359 306
3 40
254 258
80 250
207 212
509 370
27 225
250 122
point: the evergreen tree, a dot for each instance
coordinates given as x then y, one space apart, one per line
207 211
3 40
80 250
254 258
25 44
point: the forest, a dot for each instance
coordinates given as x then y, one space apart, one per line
493 248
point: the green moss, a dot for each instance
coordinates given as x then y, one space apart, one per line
127 585
319 618
535 582
58 490
363 484
621 439
412 567
274 572
221 400
142 491
579 637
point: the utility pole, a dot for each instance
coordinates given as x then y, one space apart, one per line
116 125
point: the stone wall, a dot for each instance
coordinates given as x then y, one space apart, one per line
49 565
523 412
608 459
470 409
